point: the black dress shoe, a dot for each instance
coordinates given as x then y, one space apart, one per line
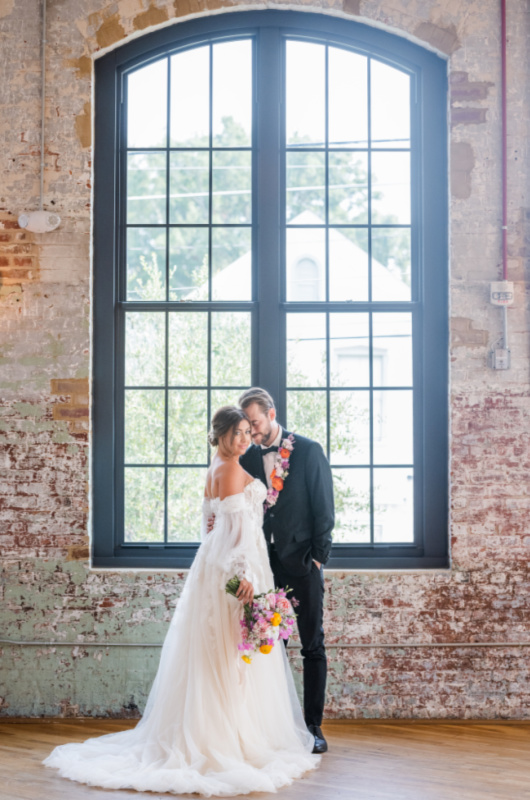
321 745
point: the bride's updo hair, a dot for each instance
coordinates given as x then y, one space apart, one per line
225 419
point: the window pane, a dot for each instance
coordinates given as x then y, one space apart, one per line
306 414
305 94
391 188
231 264
190 98
390 106
189 200
147 106
144 426
350 427
188 349
306 349
306 197
146 264
349 350
306 264
393 505
145 349
352 505
144 504
348 188
390 263
188 264
348 107
146 188
224 397
231 348
393 427
185 493
232 94
348 264
231 187
187 427
392 348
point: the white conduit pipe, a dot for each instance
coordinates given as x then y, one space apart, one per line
43 102
374 645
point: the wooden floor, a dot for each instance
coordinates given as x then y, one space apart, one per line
401 760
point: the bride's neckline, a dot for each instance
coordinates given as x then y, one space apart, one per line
236 494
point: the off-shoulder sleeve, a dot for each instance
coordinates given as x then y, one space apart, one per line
233 547
206 512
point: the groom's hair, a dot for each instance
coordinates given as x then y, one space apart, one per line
257 395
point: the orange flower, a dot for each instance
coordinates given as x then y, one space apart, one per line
277 483
276 619
285 453
247 659
265 648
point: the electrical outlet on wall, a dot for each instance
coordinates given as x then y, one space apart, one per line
500 358
501 293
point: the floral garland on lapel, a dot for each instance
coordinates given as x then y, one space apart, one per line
280 471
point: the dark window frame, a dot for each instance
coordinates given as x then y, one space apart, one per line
430 294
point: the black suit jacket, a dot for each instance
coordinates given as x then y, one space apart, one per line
303 517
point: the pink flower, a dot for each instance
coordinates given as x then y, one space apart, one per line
282 603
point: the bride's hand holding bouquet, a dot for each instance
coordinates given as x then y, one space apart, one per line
266 619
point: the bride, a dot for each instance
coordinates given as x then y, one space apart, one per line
212 723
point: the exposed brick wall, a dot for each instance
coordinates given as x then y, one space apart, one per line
18 258
73 407
48 591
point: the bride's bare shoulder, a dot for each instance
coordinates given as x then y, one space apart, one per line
231 479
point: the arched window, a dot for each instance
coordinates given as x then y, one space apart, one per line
306 280
270 209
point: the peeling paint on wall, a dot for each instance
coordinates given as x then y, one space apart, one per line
352 7
462 163
83 124
110 31
153 16
6 7
443 38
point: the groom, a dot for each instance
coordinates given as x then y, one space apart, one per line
297 526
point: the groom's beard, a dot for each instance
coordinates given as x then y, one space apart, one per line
266 438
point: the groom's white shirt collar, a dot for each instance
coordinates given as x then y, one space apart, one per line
276 442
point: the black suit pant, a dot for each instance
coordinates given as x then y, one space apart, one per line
309 591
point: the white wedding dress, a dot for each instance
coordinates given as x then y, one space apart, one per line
212 723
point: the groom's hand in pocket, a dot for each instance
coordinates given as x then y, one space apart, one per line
210 523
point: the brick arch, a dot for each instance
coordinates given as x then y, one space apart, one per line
108 28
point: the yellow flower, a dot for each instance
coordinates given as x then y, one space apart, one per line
276 619
265 648
247 659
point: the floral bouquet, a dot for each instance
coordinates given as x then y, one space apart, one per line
267 619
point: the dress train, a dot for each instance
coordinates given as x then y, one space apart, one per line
212 724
